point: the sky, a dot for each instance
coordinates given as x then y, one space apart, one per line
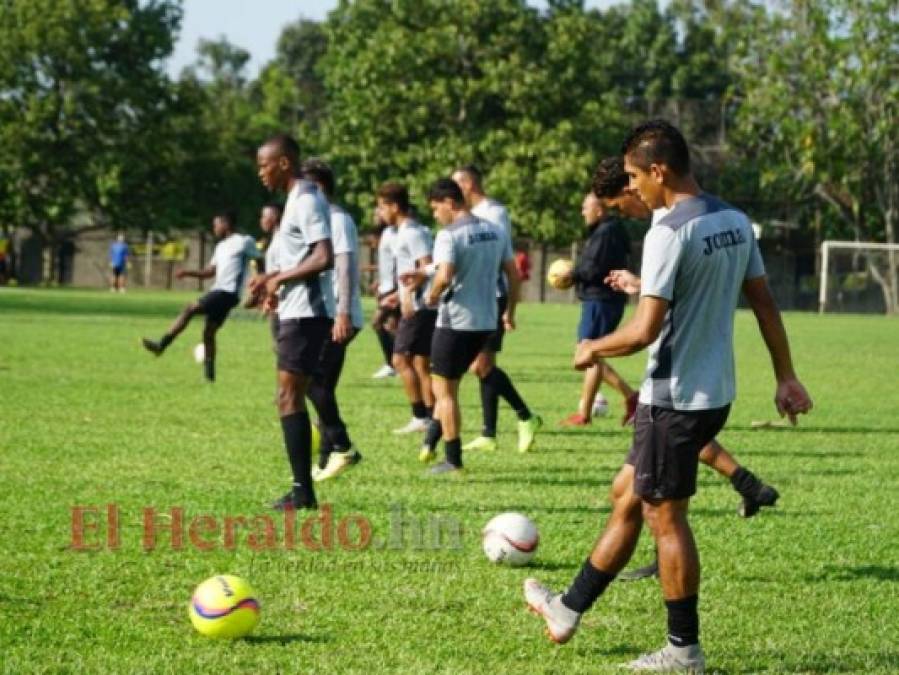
255 25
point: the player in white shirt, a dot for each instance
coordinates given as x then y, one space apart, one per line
229 267
388 312
494 382
301 292
337 452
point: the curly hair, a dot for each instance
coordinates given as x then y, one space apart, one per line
609 178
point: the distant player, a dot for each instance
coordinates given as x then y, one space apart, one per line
494 382
303 296
118 262
387 314
229 267
337 452
701 254
412 345
468 253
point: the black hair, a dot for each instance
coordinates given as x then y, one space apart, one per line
658 142
318 171
473 172
446 188
287 146
609 179
228 215
395 193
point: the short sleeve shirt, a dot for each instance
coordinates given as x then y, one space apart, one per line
413 242
494 212
387 261
230 259
346 242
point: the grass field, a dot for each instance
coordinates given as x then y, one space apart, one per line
87 418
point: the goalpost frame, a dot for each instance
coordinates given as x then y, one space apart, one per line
828 245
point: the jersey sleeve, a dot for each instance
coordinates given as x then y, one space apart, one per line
662 251
508 253
755 267
419 243
443 248
251 248
316 221
340 233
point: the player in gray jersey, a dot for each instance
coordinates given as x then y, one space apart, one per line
303 297
468 254
412 346
494 381
229 267
385 289
703 254
337 452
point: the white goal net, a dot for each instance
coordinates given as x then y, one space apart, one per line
859 277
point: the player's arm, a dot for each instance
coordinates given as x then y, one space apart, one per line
791 398
513 292
343 325
638 333
320 258
624 281
443 277
205 273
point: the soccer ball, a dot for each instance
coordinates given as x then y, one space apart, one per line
510 539
224 606
200 353
559 274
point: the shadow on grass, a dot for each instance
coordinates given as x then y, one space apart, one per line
862 572
801 429
285 639
791 662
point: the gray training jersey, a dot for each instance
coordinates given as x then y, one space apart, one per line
230 259
494 212
346 242
477 249
413 242
387 261
696 256
306 220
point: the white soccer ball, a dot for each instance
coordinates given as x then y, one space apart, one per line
200 353
600 406
510 539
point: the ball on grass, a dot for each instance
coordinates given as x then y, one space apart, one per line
224 606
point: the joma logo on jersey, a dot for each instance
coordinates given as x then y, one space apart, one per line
478 237
723 240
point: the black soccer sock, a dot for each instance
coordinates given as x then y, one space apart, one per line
419 410
433 433
209 369
453 450
429 411
489 405
298 440
683 621
332 426
385 339
588 585
165 341
745 482
506 389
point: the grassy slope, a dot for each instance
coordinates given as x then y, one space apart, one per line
89 419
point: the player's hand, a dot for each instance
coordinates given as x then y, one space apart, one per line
256 283
792 399
391 301
583 355
270 304
624 281
272 285
181 274
342 329
508 321
411 279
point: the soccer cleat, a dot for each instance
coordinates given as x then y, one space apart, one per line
766 496
645 572
416 424
383 372
445 469
671 659
427 454
561 622
527 431
292 500
152 346
630 409
481 443
575 420
338 462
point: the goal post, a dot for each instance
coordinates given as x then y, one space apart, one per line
876 260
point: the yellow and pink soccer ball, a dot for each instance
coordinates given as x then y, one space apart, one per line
224 606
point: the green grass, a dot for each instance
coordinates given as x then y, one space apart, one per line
86 418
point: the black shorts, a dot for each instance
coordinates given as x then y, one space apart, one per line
118 271
300 344
216 305
413 335
665 453
332 358
453 351
495 340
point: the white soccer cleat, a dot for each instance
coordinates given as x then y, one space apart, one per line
383 372
416 424
338 462
671 659
600 406
561 622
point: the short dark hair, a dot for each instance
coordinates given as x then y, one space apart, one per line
274 206
395 193
287 146
228 215
609 179
658 142
318 171
446 188
473 172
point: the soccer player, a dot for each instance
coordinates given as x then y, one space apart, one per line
703 252
494 382
337 452
607 248
118 261
412 345
387 314
303 297
468 253
229 267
